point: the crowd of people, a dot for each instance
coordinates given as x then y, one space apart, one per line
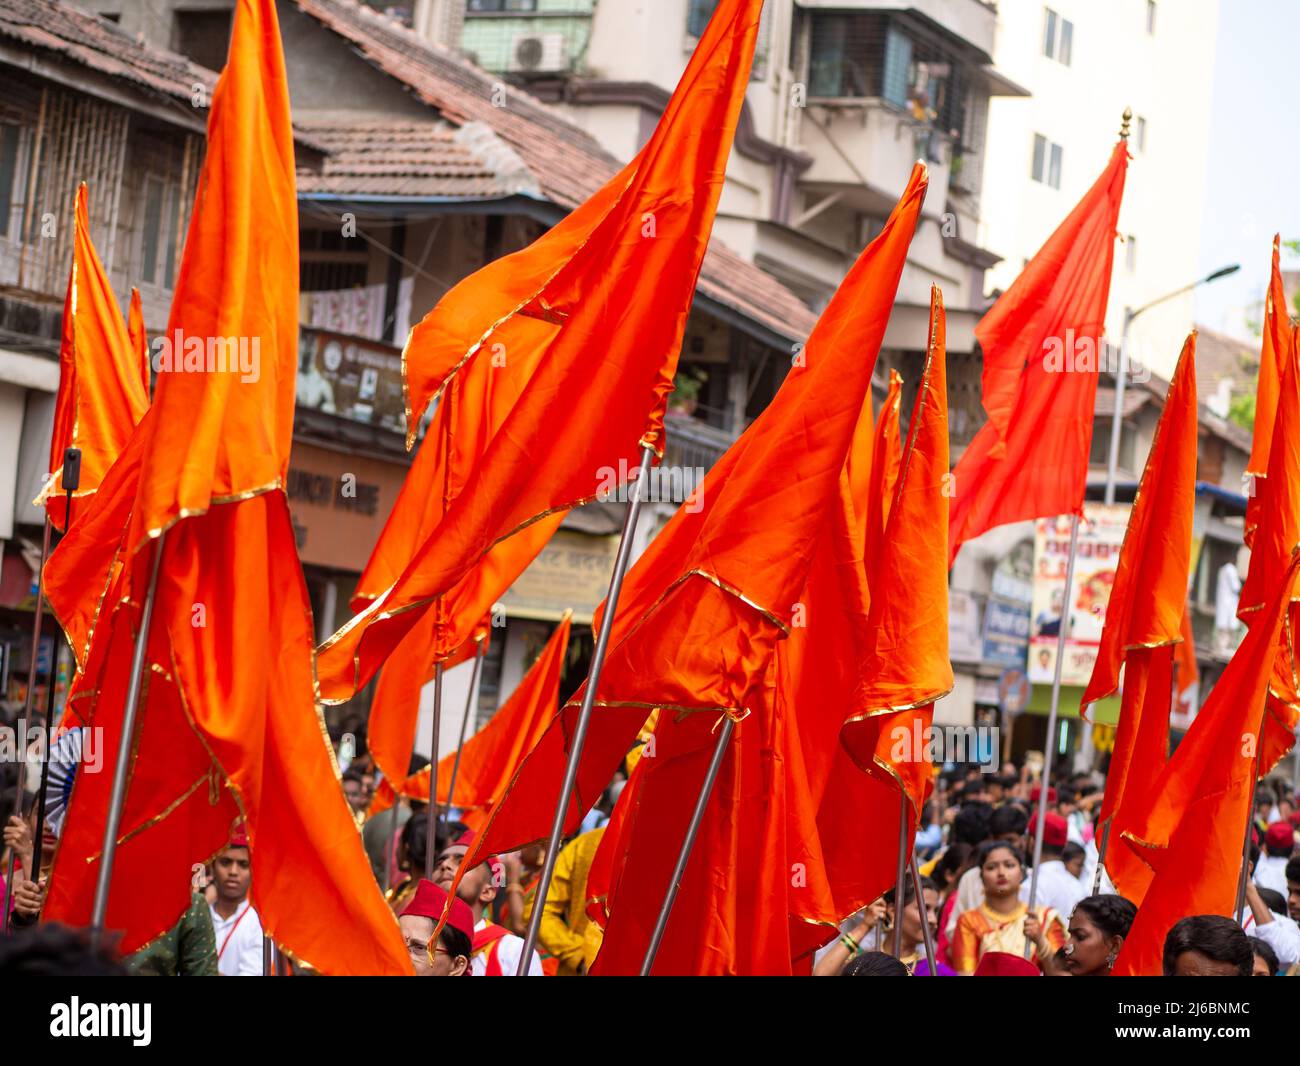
974 847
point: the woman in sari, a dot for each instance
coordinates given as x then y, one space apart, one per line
1003 922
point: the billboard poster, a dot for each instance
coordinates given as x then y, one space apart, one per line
1101 535
1007 613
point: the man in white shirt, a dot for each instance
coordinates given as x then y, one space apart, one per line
497 951
1278 931
1279 844
1057 887
235 924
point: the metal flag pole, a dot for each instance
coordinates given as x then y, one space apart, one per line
933 960
588 702
1049 749
900 879
71 482
688 844
435 813
1245 843
29 700
124 748
268 966
1101 857
390 844
471 701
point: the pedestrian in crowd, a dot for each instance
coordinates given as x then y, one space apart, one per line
1098 926
1003 922
450 955
1207 945
235 924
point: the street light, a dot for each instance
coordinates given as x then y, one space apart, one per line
1118 416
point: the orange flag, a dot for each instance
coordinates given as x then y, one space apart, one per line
1273 359
1193 834
1042 343
699 619
228 727
574 314
1277 499
1188 674
103 376
491 756
1144 620
886 454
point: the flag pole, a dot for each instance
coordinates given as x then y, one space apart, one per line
688 844
900 880
470 702
588 702
435 812
28 702
1101 856
1250 821
125 746
71 482
921 908
267 965
390 844
1049 749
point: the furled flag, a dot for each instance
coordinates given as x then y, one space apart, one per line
573 319
1277 511
1042 344
1193 834
698 622
103 376
491 756
228 727
1274 353
1144 618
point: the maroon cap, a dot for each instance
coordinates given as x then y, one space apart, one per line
430 900
1056 830
1034 793
495 865
238 836
1280 835
1004 964
1295 819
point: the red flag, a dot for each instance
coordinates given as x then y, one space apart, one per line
1192 836
699 619
574 313
1042 344
228 727
103 376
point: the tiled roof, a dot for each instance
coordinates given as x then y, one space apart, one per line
381 157
567 163
1223 358
96 43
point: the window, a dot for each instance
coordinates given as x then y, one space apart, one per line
1151 16
1058 37
1130 253
1047 162
158 243
698 15
475 7
9 137
898 64
1141 134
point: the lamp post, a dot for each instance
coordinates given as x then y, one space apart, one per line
1117 419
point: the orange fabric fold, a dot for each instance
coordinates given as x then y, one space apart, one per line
228 725
568 322
1042 342
1193 832
103 388
1274 351
886 454
701 615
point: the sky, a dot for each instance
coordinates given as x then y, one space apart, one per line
1253 181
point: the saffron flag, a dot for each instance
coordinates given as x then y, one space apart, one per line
886 454
1192 836
1273 360
700 616
228 727
491 756
574 313
1042 343
1277 499
103 377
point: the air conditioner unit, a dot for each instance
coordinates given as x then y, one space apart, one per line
538 53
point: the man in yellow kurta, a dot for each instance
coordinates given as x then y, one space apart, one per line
567 934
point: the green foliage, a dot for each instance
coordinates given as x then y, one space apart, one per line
1242 411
